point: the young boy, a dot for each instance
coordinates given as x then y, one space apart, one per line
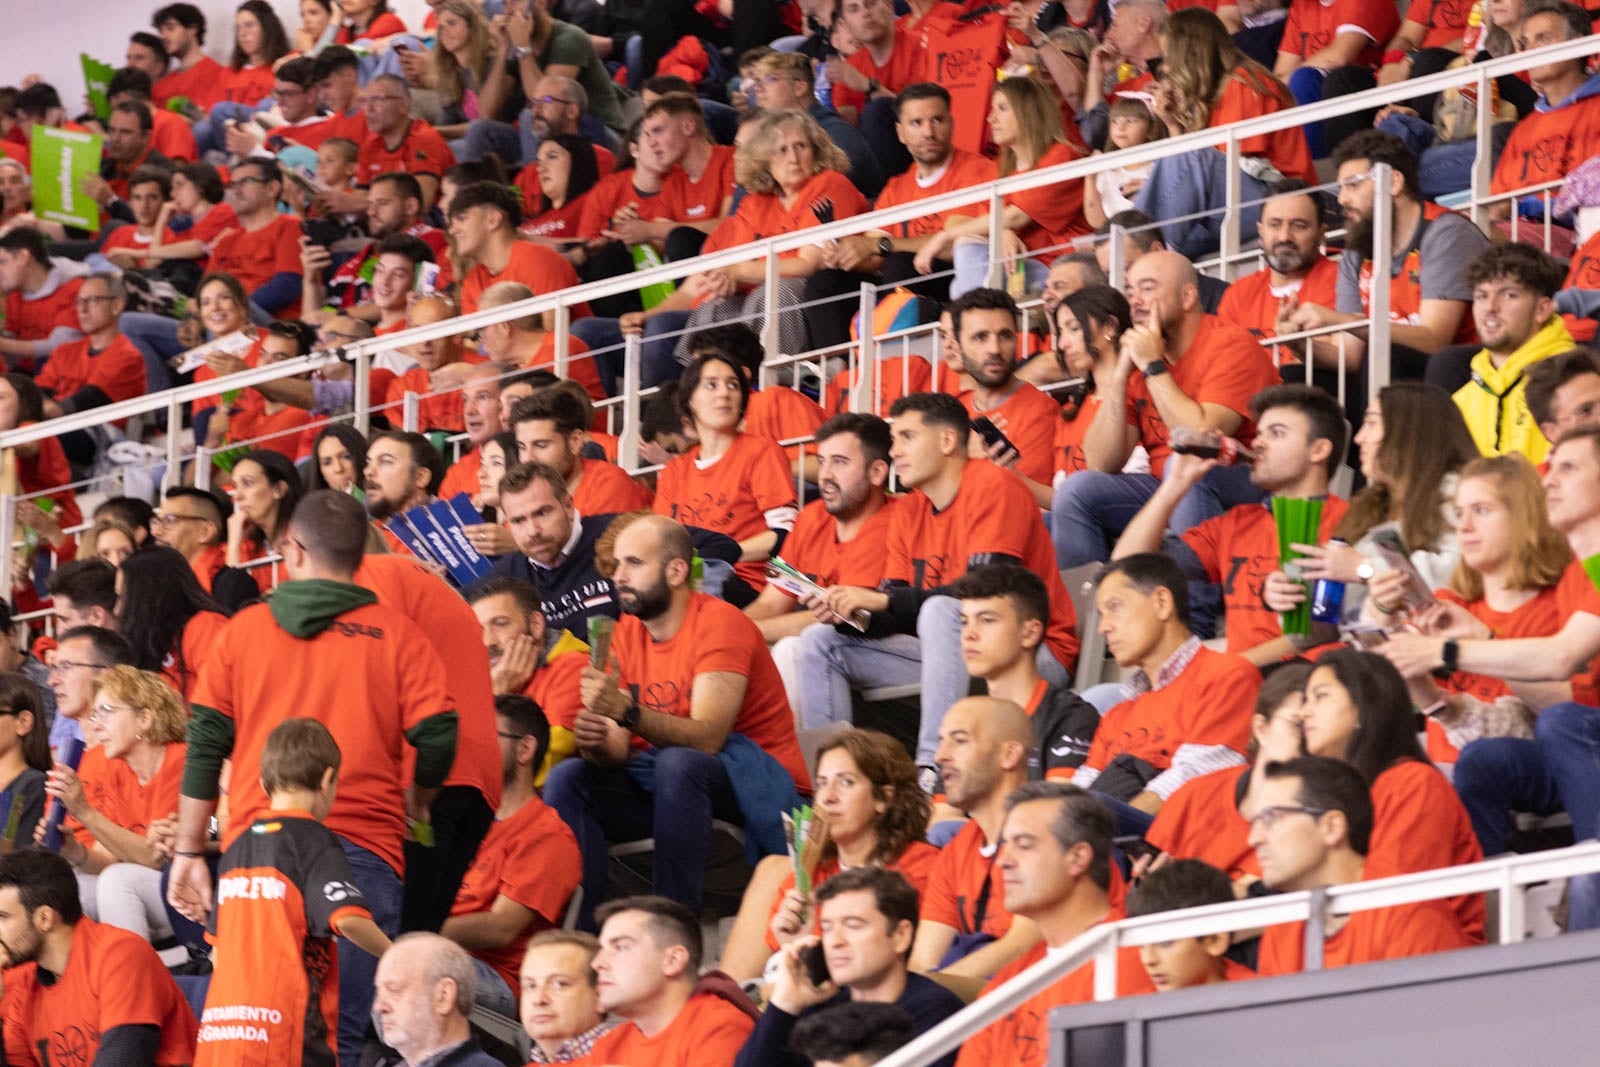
1185 961
283 890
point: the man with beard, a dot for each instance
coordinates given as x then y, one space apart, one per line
402 471
525 870
551 427
984 322
691 672
1292 227
1431 249
838 539
117 1003
520 664
1179 367
394 213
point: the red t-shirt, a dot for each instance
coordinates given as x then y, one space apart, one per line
279 431
813 547
1546 146
708 1032
715 637
1223 365
387 24
699 201
532 859
539 268
605 488
462 477
1068 457
963 55
47 469
1238 549
1584 274
172 137
113 978
1312 26
255 256
249 85
1031 417
763 215
956 884
609 196
116 370
421 151
554 687
1056 210
1576 593
1418 824
731 496
1209 703
914 864
1445 20
559 223
1285 149
964 170
993 514
32 319
203 83
352 126
898 376
1201 821
1252 304
1384 934
783 414
907 59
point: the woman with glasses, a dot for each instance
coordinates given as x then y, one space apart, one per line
1357 710
123 837
24 760
166 617
266 488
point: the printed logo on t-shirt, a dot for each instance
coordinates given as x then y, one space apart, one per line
664 697
334 892
69 1047
709 511
1543 158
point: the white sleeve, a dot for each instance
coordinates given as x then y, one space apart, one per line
1191 761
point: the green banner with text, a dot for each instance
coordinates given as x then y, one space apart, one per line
61 158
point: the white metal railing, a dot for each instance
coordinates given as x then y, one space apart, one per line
1509 876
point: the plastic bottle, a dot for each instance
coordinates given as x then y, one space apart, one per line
1472 36
1208 444
1327 597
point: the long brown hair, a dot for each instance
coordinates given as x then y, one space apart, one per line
1199 61
1539 553
883 761
452 81
1424 441
1038 120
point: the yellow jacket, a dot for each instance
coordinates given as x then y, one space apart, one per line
1495 403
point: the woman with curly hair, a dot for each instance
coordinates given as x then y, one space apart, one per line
869 812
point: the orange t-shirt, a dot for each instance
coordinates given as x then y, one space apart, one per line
763 215
199 635
47 469
1022 1037
731 496
133 805
1056 210
372 675
964 51
608 197
387 24
813 547
280 431
113 978
905 67
707 1032
898 376
1238 549
957 882
462 477
203 83
438 611
1382 934
1539 617
539 268
993 514
715 637
685 200
435 411
1576 593
1252 303
1546 146
283 891
1285 149
1031 417
116 370
532 859
1223 365
421 151
1445 20
1201 821
1313 24
963 170
783 414
249 85
913 864
255 256
1209 703
554 687
1418 824
1068 457
581 367
558 224
605 488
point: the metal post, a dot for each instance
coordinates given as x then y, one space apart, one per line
1382 266
363 373
1316 928
1105 969
863 389
8 532
202 467
1482 164
563 339
1513 909
997 270
174 472
769 329
1230 219
410 412
1117 236
628 440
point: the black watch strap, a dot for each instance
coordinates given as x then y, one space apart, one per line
630 718
1155 368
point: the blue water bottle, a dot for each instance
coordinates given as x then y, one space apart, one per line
1327 598
71 753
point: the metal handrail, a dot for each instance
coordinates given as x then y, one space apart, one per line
1508 875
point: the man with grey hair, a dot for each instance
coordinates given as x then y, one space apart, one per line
422 999
1055 858
1133 38
99 368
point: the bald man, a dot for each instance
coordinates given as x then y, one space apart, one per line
964 930
1179 367
690 672
422 998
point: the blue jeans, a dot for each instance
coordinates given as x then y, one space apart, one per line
1091 509
1191 182
1558 770
657 362
833 662
492 992
971 262
358 969
156 338
605 805
1306 85
209 132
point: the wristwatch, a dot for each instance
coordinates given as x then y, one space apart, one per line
1365 570
630 718
1449 657
872 86
885 246
1155 368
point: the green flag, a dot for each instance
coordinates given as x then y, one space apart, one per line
97 78
60 160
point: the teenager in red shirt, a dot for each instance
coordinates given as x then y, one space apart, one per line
698 189
483 223
885 61
41 294
197 77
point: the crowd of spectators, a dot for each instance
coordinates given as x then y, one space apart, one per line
278 785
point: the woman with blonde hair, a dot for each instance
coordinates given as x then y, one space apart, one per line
1025 123
469 69
795 178
140 722
869 812
110 540
1207 81
1504 586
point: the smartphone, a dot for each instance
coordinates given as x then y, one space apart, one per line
816 964
991 434
1133 846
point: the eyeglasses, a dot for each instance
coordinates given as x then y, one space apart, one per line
323 335
510 737
167 518
91 301
246 179
104 711
61 666
295 541
19 711
1267 818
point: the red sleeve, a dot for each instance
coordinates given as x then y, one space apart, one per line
541 870
771 482
1221 711
843 95
1206 541
939 894
1414 812
134 996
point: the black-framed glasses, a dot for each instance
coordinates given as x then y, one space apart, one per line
510 737
18 711
1267 818
63 665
